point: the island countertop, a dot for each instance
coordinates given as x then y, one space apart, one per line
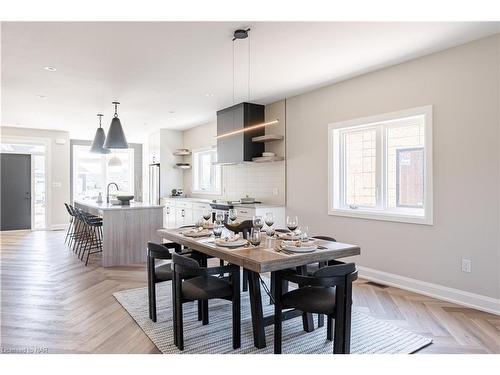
108 206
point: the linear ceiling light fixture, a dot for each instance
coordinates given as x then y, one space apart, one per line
99 140
248 128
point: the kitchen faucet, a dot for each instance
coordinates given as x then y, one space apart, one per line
107 190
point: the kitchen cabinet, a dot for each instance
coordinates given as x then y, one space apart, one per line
248 212
239 147
197 211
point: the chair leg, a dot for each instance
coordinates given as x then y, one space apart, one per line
174 308
236 310
277 317
245 280
200 310
321 320
329 327
204 312
180 328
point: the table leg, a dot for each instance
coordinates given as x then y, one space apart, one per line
259 336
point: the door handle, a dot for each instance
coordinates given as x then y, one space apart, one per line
27 196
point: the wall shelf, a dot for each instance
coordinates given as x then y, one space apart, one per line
267 159
182 152
268 138
182 166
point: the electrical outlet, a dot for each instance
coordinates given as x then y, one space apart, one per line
466 265
275 191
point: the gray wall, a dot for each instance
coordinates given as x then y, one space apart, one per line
462 84
137 166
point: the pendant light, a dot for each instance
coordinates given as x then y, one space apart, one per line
97 144
116 136
115 161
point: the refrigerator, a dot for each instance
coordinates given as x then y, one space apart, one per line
154 183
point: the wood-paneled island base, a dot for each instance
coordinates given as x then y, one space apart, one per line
126 230
264 259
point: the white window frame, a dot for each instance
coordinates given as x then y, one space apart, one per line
407 215
194 184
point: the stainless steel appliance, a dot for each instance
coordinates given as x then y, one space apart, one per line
154 183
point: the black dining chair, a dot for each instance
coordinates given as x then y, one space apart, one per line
159 273
244 228
328 291
192 282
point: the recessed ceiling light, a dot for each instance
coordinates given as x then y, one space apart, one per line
209 94
41 97
50 68
171 111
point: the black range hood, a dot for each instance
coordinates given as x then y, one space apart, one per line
238 147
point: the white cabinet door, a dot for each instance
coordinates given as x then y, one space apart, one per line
198 209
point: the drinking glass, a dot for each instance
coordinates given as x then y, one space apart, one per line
269 219
304 233
292 222
217 230
270 231
219 216
207 214
233 214
255 237
258 222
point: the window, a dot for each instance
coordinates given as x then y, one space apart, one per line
206 175
381 167
92 172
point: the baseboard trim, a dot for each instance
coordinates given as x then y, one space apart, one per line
58 226
460 297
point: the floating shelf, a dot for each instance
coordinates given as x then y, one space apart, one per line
268 138
267 159
182 152
182 166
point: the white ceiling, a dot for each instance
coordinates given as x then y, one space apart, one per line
156 68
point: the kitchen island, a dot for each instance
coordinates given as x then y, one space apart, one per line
126 230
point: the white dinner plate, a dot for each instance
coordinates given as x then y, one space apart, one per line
237 243
298 249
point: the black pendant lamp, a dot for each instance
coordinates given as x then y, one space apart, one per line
116 136
97 144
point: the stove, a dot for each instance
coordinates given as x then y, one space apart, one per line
226 205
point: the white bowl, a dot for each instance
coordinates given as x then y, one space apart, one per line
268 154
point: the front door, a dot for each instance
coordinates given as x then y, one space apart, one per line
15 191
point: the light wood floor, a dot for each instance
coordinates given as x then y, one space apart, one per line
51 301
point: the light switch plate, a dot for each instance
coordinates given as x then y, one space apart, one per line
56 184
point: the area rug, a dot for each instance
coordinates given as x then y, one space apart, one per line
369 335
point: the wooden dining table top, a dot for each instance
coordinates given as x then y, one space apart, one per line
262 258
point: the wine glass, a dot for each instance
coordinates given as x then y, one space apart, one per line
258 222
207 214
269 219
255 236
292 222
233 214
304 233
217 230
270 231
219 217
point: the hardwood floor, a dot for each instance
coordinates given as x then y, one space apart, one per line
52 303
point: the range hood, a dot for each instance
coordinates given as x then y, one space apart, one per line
234 144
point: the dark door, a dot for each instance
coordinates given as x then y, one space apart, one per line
15 191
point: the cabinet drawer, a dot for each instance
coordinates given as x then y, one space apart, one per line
183 204
201 206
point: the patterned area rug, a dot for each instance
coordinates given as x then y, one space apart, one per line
369 335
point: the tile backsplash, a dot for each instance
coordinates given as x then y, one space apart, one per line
263 181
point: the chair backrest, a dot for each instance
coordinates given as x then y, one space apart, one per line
333 275
158 251
183 264
325 238
68 209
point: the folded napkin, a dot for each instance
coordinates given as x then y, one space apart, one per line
234 237
196 232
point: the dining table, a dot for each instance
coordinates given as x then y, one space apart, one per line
268 257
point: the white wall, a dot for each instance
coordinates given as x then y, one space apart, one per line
59 170
258 180
462 84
